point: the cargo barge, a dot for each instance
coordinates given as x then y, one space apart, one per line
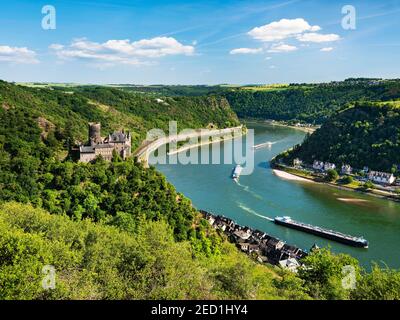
324 233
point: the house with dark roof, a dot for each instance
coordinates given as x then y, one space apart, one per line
381 177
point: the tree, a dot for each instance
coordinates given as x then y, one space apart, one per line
347 180
368 185
380 284
323 274
332 175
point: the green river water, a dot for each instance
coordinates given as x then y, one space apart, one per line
263 195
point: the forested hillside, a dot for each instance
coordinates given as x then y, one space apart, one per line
99 261
65 112
102 261
36 125
308 103
367 134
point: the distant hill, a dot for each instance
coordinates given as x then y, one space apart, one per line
304 102
312 103
367 134
69 109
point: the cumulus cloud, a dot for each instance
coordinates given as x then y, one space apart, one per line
246 51
327 49
20 55
56 46
282 29
317 37
282 47
128 52
293 30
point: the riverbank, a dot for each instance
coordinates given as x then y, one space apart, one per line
304 128
200 144
260 245
147 147
283 173
287 176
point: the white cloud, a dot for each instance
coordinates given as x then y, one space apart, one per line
246 51
268 58
318 38
56 46
272 67
114 52
328 49
282 47
280 30
17 55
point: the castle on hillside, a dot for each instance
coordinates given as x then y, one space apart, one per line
119 141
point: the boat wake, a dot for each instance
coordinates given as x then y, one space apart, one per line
247 189
251 211
267 144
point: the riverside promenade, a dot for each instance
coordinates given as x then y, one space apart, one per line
147 147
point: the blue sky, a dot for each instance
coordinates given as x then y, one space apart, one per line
198 42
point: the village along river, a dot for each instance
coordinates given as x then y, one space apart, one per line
263 195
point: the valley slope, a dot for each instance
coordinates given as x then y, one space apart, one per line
367 134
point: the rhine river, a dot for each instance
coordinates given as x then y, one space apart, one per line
263 195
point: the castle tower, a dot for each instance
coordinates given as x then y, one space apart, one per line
94 133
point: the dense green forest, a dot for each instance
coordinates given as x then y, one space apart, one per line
308 103
367 134
103 261
99 261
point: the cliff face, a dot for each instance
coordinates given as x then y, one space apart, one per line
365 135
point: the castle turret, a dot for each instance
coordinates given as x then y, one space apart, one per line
94 133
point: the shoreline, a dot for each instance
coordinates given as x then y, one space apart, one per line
143 152
289 176
310 129
294 177
304 129
199 144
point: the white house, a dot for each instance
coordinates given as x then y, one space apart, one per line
329 166
290 264
346 169
297 163
318 165
211 220
381 177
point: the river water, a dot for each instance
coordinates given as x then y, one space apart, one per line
263 195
